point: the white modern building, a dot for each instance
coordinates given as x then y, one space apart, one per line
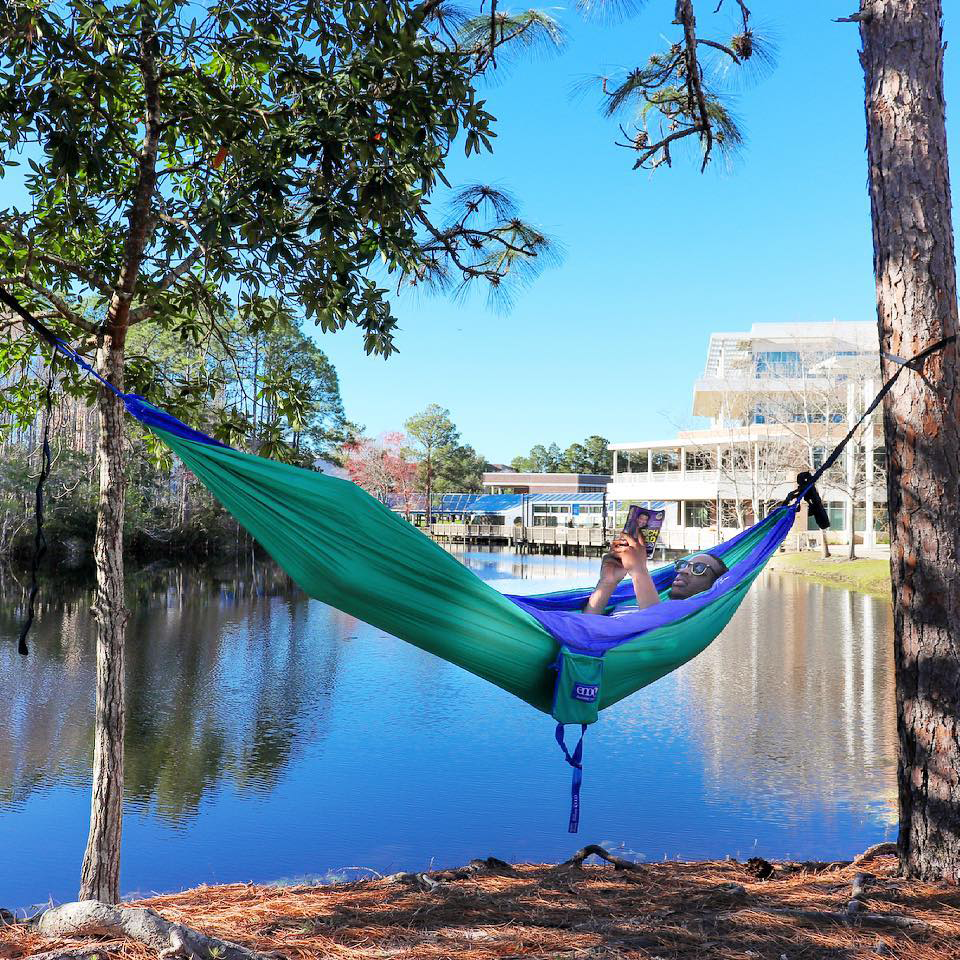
773 401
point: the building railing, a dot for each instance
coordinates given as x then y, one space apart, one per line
582 536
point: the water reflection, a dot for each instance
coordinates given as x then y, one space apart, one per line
798 696
270 736
223 680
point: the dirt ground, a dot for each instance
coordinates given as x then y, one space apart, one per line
568 912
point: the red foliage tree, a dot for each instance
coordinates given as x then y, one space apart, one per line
383 466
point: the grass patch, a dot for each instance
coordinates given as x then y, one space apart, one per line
868 575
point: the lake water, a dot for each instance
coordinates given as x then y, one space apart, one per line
271 737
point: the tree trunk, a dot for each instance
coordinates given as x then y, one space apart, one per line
100 878
429 514
824 546
917 305
183 512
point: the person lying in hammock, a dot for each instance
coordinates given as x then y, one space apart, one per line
628 556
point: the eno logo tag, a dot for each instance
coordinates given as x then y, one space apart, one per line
587 692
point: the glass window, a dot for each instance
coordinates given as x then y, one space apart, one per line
665 461
836 514
632 461
700 460
783 363
736 459
699 513
881 518
879 460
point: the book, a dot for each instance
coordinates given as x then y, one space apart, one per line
644 523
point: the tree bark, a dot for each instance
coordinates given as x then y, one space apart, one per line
909 183
100 877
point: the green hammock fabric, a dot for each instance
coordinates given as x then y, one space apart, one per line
343 547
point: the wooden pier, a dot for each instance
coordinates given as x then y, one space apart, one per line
584 541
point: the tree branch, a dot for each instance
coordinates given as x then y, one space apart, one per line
70 266
139 215
719 46
62 307
698 104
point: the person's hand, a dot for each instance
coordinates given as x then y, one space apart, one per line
631 552
611 570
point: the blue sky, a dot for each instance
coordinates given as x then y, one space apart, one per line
611 341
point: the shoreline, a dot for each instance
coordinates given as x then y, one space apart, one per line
489 910
869 575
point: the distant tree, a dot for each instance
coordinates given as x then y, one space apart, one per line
576 459
591 456
554 463
598 457
382 467
539 458
458 469
431 430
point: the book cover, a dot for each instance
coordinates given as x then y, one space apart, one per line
644 523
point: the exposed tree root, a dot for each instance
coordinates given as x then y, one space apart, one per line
77 953
435 880
593 850
877 850
90 918
862 919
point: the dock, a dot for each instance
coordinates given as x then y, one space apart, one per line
582 541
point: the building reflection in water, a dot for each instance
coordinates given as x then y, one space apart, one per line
500 563
793 706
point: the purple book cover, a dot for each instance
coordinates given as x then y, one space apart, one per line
645 523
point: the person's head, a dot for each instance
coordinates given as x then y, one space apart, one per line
696 574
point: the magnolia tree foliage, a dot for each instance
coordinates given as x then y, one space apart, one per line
185 162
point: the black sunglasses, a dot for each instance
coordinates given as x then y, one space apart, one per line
698 568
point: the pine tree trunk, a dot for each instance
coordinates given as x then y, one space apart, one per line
100 878
916 306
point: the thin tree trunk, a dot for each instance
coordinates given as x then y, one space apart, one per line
100 877
429 484
183 514
916 306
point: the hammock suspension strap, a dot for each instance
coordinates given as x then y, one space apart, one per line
576 761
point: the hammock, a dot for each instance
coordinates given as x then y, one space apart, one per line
345 548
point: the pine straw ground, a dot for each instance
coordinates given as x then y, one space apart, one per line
666 910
